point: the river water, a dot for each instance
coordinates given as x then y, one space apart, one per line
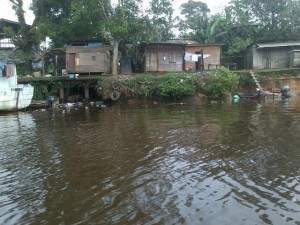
230 163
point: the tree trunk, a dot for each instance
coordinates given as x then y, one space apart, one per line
20 13
25 42
115 57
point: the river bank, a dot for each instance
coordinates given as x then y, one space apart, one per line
170 87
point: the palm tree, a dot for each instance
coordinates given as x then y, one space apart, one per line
208 31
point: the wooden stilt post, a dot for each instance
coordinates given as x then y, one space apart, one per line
86 93
202 60
61 95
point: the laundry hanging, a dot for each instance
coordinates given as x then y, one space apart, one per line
187 56
195 58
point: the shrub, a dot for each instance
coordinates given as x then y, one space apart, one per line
220 81
167 85
176 85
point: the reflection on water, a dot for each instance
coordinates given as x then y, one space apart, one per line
161 164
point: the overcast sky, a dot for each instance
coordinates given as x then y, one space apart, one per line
6 11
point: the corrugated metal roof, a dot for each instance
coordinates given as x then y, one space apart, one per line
277 44
163 42
183 41
203 45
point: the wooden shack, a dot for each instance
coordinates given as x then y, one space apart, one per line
164 57
211 56
273 55
294 58
87 59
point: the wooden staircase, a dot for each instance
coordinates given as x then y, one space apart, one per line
255 80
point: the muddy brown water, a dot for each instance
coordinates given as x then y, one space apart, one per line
236 163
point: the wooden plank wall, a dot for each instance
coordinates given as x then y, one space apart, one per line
213 50
88 59
164 58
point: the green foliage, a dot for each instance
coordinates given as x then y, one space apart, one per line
220 81
195 8
176 86
275 19
209 32
168 85
23 36
145 85
201 27
117 24
24 69
246 80
161 12
70 19
41 91
196 19
238 46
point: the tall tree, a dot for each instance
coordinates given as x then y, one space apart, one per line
117 28
161 13
25 38
198 23
209 32
293 20
122 21
22 39
70 19
240 30
276 18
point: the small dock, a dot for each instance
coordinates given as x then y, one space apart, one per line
63 84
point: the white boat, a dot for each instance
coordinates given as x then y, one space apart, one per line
13 96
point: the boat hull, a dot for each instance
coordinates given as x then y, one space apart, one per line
15 97
251 96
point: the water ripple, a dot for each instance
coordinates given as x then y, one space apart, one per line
151 165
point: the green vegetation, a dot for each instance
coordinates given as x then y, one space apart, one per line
44 88
219 82
173 85
166 86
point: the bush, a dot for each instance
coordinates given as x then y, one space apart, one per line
220 81
174 85
168 85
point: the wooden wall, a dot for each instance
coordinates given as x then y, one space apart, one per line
84 59
294 58
274 58
162 57
213 60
